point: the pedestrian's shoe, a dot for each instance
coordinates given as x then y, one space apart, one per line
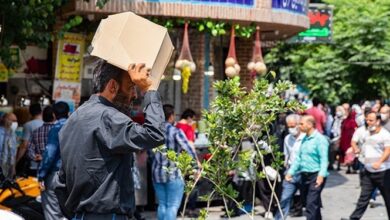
372 203
268 216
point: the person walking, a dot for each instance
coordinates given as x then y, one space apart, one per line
50 164
292 143
385 117
38 140
185 124
374 153
335 135
97 144
24 164
167 178
312 163
348 128
318 115
8 144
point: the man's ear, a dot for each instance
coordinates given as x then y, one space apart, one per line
113 86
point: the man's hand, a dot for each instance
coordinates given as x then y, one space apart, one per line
377 165
319 181
42 185
356 150
139 75
288 178
38 157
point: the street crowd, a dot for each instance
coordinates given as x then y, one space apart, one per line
85 161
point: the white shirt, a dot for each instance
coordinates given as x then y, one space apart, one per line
372 147
291 147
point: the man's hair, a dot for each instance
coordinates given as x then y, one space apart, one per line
35 109
188 113
294 117
48 114
61 110
310 119
316 101
5 119
168 111
377 115
103 73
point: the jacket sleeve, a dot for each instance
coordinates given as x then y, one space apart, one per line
50 153
122 135
324 158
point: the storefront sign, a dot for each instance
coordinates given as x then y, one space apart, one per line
70 57
294 6
3 73
320 30
68 91
243 3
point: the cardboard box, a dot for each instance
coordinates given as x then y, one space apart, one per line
126 38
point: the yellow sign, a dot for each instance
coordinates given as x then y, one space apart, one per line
3 73
70 57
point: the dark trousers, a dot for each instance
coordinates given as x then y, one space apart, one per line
312 194
93 216
368 182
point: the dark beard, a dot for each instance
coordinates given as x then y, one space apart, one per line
123 103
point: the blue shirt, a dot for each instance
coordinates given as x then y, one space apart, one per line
312 155
51 159
29 127
165 170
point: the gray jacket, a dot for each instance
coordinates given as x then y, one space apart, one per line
96 150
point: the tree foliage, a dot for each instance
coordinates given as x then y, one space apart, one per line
29 22
356 65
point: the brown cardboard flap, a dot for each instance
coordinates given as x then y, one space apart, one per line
126 38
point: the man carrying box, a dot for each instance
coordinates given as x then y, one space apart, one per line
97 144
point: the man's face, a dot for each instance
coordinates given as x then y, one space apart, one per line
371 120
303 125
376 107
10 119
385 112
125 94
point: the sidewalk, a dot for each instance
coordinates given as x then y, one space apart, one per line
339 199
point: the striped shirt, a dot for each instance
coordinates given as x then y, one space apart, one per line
163 169
38 140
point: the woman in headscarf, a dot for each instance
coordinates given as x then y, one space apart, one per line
348 127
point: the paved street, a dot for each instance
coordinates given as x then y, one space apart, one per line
339 198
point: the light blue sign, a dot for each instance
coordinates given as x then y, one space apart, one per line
294 6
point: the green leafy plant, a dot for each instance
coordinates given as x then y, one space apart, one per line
237 115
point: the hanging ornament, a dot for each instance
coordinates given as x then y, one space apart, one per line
256 65
232 68
185 62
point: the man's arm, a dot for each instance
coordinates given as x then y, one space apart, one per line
296 164
50 153
121 135
324 157
286 151
385 155
354 141
23 146
31 149
185 144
